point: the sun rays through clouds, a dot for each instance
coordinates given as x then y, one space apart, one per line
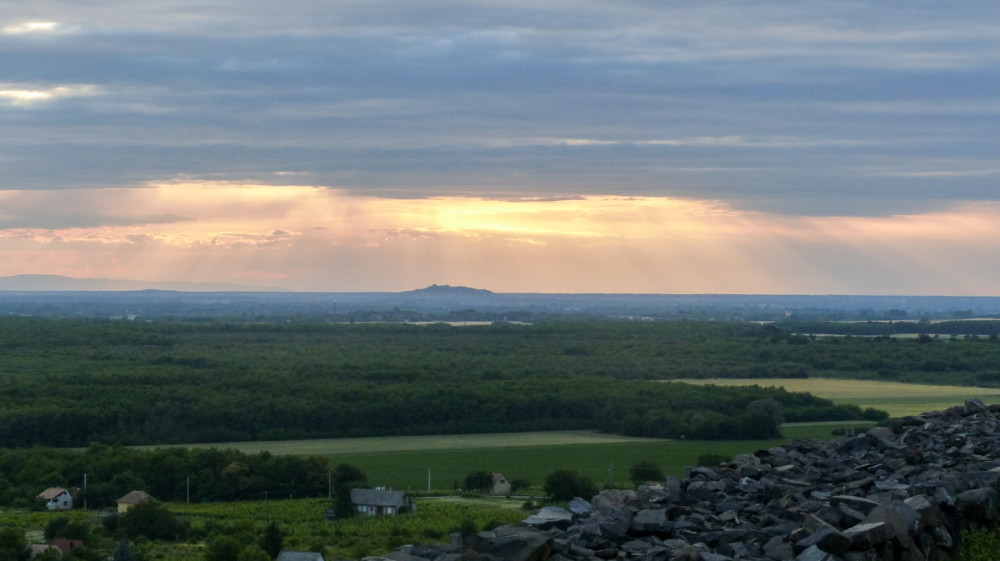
318 238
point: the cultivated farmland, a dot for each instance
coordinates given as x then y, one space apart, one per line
897 399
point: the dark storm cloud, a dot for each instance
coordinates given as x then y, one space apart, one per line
811 107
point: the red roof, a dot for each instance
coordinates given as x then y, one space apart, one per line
65 545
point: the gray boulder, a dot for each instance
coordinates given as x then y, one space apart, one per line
549 517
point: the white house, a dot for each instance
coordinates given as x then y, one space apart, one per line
57 498
500 485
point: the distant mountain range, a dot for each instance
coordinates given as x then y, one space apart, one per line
58 283
64 296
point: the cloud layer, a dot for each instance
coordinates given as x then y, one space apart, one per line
807 119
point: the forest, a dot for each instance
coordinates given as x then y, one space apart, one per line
168 474
73 382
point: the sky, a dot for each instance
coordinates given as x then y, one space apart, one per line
766 147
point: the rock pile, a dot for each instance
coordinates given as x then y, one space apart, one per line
900 493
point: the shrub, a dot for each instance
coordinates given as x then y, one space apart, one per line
979 545
479 481
152 520
713 459
564 484
645 471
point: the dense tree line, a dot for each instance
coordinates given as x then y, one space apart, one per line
72 382
102 474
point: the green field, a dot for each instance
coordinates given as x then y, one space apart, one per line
408 462
899 400
339 446
404 462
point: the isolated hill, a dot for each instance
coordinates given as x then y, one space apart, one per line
56 295
448 291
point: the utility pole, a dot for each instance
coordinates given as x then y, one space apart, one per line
188 491
84 490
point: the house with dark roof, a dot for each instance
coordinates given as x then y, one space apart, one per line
57 498
381 502
289 555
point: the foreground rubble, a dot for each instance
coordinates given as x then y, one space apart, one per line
903 493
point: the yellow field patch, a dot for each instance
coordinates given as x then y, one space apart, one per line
896 398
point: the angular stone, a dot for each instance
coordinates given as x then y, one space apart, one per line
579 507
826 538
424 551
394 556
651 521
814 553
943 537
848 516
860 504
636 548
778 548
930 514
977 505
973 406
704 472
745 461
673 486
709 556
944 496
868 534
896 525
549 517
520 544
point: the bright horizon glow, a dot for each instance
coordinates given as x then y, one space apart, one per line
323 239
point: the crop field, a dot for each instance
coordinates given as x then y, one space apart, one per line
357 536
898 399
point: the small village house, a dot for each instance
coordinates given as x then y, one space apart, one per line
57 498
500 485
61 545
131 499
381 502
65 545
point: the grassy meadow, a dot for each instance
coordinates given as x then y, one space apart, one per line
603 463
406 462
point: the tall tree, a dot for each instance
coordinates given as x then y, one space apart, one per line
273 540
345 478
